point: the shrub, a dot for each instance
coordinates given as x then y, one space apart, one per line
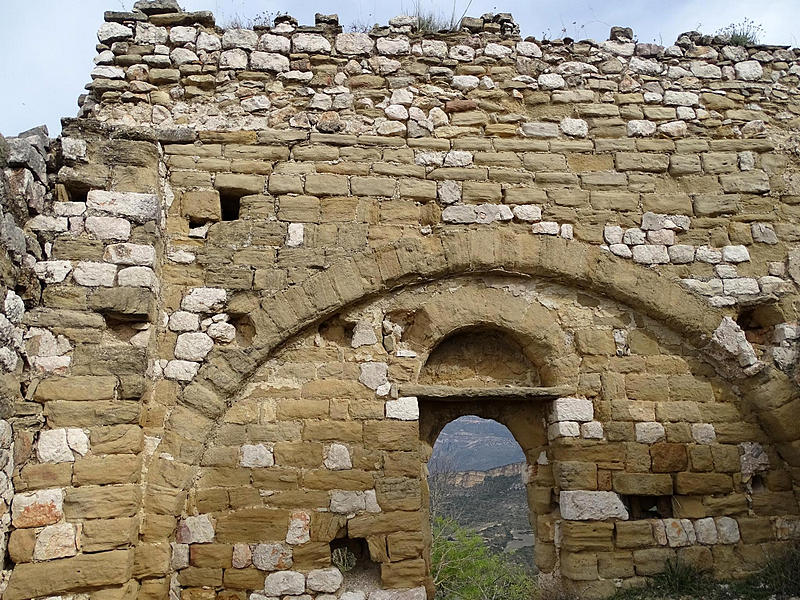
744 33
463 567
781 574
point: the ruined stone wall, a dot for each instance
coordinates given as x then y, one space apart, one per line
263 269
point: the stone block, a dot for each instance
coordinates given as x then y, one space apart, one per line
591 506
201 206
642 484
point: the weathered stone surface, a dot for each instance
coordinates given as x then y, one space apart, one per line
285 583
591 506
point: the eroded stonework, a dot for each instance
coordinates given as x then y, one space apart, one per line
252 281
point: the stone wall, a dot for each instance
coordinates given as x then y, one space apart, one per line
263 269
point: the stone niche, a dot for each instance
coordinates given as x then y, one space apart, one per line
260 271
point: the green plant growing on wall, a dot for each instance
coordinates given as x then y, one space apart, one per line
343 559
744 33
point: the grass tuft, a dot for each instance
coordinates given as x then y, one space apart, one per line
744 33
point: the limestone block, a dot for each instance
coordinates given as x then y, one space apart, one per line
130 254
195 530
55 541
373 374
571 409
108 228
563 429
354 43
136 207
347 502
706 531
643 484
727 530
324 580
593 430
37 509
269 61
233 59
113 32
651 255
749 70
255 455
404 408
52 446
703 433
204 300
311 43
299 528
578 505
272 557
649 432
551 81
182 320
528 49
193 346
337 457
138 277
93 274
574 127
680 532
285 583
239 38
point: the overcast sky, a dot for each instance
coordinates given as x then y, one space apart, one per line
47 46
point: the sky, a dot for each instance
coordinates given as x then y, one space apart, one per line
47 46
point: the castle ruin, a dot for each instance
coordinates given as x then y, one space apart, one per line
254 278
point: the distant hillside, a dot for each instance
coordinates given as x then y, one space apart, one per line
474 444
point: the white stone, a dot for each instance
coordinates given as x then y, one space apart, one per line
324 580
113 32
299 528
458 158
650 255
256 103
741 286
310 43
193 346
497 50
182 56
621 250
593 430
675 98
269 61
138 277
706 531
181 370
680 532
612 234
634 236
663 237
529 49
52 271
47 223
208 42
708 255
273 43
618 47
240 38
649 432
337 457
674 129
130 205
551 81
703 433
749 70
347 502
417 593
13 307
371 501
148 34
47 504
182 320
465 82
735 254
204 300
108 228
285 583
563 429
577 505
763 233
93 274
182 35
539 130
130 254
705 70
546 228
356 596
108 72
195 530
73 149
527 212
681 254
489 213
222 332
271 557
373 374
646 66
256 455
180 555
397 112
233 59
404 408
727 530
354 43
78 441
449 192
575 127
52 447
55 541
571 409
363 335
393 46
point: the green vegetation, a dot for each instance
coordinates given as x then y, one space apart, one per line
779 579
744 33
464 568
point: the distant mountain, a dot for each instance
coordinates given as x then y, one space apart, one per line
474 444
